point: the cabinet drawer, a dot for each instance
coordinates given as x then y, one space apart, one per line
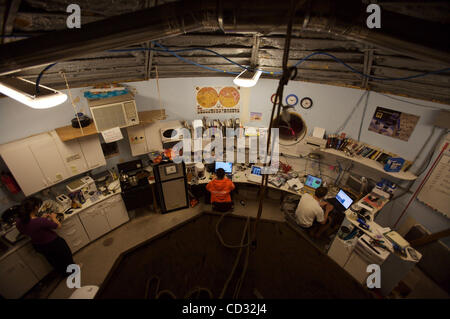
73 233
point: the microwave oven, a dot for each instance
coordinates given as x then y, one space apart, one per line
119 111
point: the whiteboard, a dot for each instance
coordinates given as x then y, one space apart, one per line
436 190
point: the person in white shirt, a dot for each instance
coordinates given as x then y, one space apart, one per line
311 209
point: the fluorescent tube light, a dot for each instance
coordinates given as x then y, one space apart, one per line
247 78
24 91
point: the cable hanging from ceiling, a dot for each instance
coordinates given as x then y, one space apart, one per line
174 53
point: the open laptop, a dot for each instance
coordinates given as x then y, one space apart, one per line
255 174
341 202
227 167
311 184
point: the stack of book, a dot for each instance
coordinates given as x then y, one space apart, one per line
352 148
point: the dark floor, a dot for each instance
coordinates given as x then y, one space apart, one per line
283 265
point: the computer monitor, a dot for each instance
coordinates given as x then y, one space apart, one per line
313 181
256 170
227 167
344 199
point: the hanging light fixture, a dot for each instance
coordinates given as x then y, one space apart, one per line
25 92
247 78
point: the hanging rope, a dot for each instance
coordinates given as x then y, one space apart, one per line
71 101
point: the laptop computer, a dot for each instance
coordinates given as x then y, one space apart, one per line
311 184
227 167
341 202
255 174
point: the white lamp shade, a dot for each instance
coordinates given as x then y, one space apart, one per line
247 78
24 91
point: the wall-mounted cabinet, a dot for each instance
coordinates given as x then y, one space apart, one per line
43 160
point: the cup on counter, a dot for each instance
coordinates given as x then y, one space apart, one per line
94 196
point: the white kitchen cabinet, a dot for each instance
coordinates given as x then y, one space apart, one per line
43 160
73 233
340 250
137 139
35 261
71 154
153 136
48 158
92 151
115 211
15 277
21 162
95 222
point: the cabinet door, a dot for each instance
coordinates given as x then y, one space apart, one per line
92 151
15 277
71 154
73 233
152 136
35 261
22 164
137 139
357 267
49 160
95 222
116 212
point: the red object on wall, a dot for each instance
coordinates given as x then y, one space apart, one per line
10 183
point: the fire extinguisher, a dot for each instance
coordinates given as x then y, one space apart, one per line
10 183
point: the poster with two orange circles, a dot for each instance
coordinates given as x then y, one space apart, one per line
210 99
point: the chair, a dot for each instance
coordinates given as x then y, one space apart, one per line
222 207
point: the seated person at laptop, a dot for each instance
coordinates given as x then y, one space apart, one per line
310 209
220 189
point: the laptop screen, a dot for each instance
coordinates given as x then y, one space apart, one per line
313 182
227 167
344 199
256 170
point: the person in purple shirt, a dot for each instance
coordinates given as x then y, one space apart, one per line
43 237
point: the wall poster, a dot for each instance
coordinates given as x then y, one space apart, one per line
217 99
393 123
255 116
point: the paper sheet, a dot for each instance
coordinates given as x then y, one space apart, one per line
112 135
318 132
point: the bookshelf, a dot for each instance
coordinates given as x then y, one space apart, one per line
407 176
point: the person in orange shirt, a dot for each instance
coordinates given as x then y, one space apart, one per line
220 189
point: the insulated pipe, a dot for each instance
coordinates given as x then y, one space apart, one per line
176 18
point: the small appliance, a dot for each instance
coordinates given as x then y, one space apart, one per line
64 201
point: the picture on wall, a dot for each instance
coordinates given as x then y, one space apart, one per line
217 99
393 123
255 116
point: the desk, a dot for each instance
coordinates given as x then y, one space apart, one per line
241 177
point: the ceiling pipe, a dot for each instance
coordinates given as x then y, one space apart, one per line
176 18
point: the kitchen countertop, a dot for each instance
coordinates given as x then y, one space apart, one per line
12 248
90 203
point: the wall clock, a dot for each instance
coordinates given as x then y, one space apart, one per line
291 100
273 97
306 103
